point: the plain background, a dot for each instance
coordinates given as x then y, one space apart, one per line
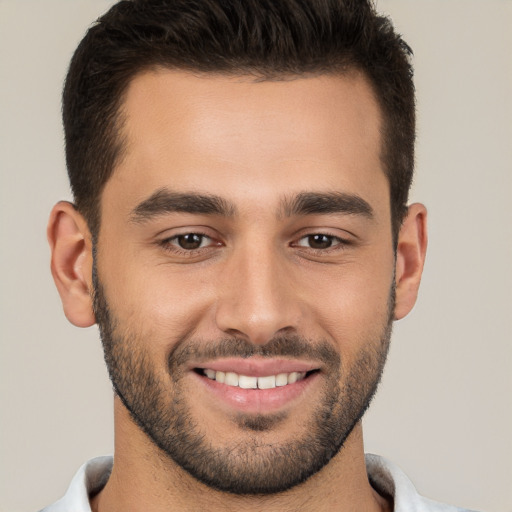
443 412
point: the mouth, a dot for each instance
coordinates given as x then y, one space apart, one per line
252 382
256 386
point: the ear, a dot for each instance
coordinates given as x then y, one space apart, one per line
410 257
71 262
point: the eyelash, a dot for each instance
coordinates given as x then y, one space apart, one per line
337 244
168 245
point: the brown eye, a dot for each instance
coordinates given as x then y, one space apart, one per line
319 241
190 241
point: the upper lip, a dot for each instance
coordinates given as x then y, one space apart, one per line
257 366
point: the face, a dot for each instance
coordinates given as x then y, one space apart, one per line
244 271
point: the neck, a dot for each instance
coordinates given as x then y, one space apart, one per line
143 479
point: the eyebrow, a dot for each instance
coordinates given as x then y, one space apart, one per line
321 203
166 201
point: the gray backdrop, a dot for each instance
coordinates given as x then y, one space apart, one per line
443 412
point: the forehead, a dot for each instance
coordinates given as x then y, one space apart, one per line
232 135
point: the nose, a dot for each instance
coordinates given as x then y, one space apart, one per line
257 298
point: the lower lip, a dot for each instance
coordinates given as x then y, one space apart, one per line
258 400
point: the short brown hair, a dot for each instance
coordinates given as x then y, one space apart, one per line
265 38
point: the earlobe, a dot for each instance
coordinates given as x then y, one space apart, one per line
71 262
410 257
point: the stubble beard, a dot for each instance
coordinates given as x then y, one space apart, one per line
253 466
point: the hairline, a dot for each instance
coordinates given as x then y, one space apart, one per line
258 75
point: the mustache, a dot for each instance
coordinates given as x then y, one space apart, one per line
286 346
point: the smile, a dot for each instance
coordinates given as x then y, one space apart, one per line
248 382
255 385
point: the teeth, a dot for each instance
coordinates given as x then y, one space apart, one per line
293 377
282 379
246 382
267 382
231 379
210 373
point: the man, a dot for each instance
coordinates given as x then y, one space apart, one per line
240 235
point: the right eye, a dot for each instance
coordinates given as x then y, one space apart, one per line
190 241
318 241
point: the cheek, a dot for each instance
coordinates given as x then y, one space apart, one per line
157 299
352 303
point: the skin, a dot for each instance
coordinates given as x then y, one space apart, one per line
255 145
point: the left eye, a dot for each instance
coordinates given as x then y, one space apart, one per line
319 241
191 241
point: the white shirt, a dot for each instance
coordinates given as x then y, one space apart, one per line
386 478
